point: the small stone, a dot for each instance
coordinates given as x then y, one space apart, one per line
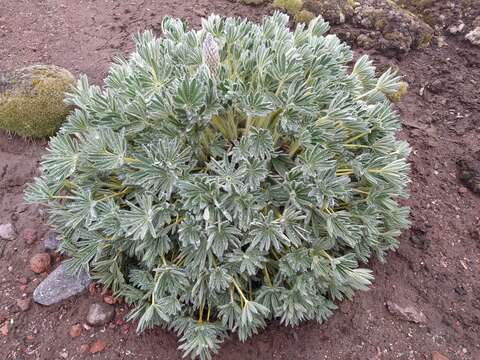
83 348
109 299
64 355
468 172
87 327
23 304
438 356
474 36
441 42
456 29
7 231
51 242
92 289
60 285
23 280
75 331
437 86
30 236
460 290
407 313
476 22
100 314
40 263
97 346
4 329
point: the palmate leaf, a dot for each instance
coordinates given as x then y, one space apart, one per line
106 149
62 158
315 160
221 236
144 217
267 233
249 261
201 340
161 166
41 191
252 319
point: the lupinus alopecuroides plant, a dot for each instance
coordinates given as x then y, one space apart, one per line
229 176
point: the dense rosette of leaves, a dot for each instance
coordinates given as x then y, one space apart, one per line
229 176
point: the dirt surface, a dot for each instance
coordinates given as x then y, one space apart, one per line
436 270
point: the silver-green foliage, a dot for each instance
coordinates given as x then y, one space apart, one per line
229 176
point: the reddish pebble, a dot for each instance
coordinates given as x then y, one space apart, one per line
23 288
119 322
109 299
437 356
23 304
23 280
75 331
29 337
4 329
30 236
97 346
92 289
125 328
40 263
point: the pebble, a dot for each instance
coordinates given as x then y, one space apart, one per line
474 36
23 304
60 285
40 263
75 331
97 346
30 236
100 314
83 348
7 231
438 356
109 299
408 313
92 289
455 29
51 242
4 328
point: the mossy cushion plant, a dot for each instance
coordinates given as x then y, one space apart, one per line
229 176
31 100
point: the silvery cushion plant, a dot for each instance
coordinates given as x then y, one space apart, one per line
229 176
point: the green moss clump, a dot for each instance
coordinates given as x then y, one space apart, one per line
292 7
31 100
304 16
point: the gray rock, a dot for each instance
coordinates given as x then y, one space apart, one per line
474 36
60 285
100 314
51 241
7 231
456 29
407 313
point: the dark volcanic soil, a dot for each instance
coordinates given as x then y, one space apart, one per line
436 270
